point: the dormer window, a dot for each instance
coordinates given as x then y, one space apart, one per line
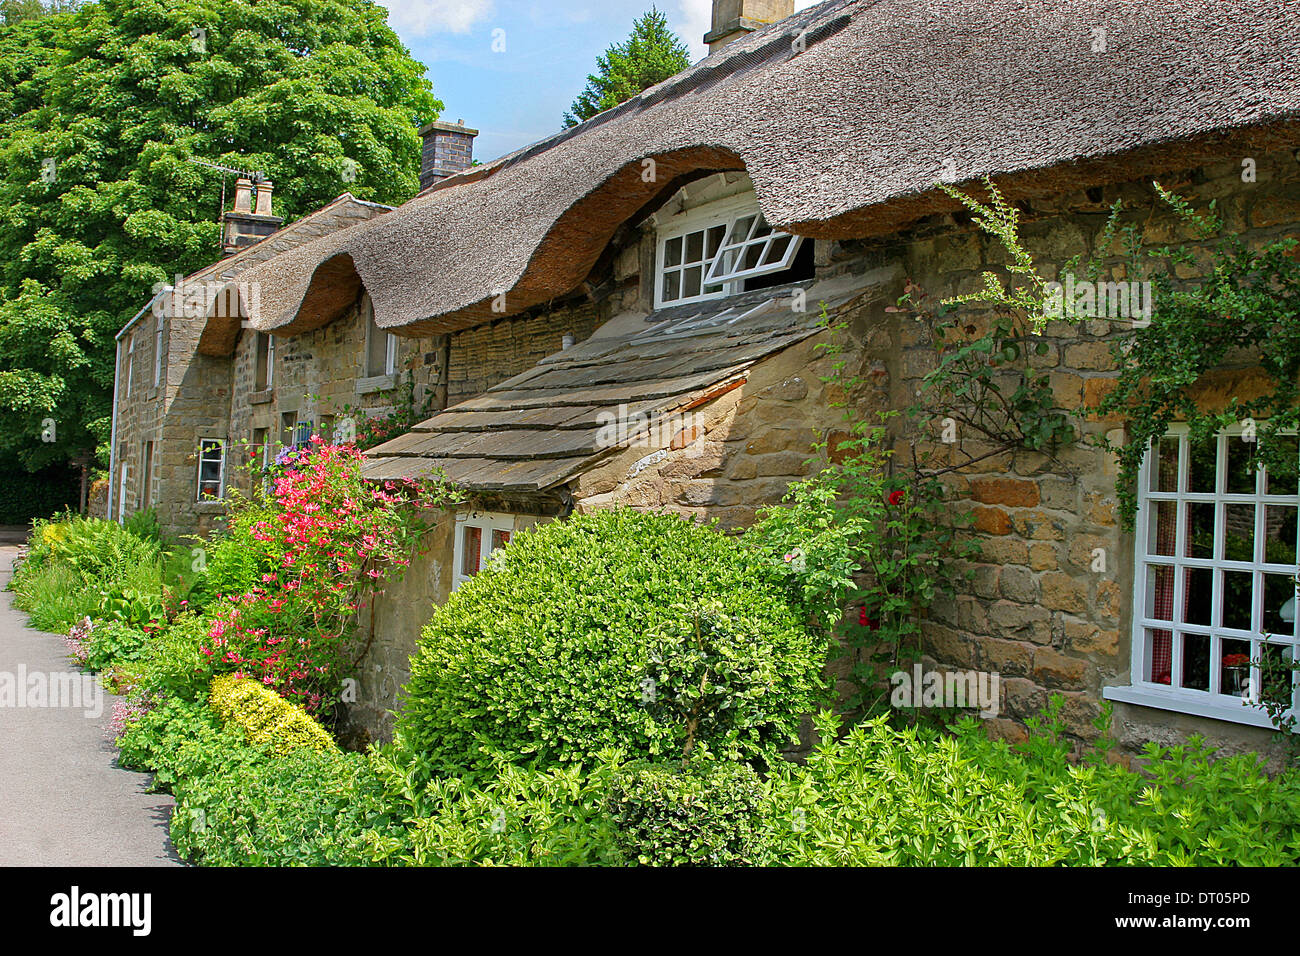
714 250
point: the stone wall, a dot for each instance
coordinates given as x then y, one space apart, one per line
1049 605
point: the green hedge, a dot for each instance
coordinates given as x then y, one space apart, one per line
610 630
25 495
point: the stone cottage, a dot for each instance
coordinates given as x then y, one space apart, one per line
629 313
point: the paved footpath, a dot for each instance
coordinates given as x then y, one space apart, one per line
63 799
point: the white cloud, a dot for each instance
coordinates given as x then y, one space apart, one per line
419 18
695 17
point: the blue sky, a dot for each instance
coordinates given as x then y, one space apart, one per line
517 95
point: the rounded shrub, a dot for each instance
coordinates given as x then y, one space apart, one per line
700 813
624 629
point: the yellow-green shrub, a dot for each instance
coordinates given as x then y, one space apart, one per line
265 717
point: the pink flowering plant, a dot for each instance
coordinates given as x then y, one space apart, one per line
319 547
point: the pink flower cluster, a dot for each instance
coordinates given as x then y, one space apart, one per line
333 540
77 639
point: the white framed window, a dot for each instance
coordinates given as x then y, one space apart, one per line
709 252
381 346
212 469
1215 577
478 534
158 350
146 473
263 362
288 429
130 363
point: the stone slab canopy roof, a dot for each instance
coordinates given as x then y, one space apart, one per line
534 432
845 115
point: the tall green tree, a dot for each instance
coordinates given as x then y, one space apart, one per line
16 11
650 55
99 111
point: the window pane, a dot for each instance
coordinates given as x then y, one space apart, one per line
1164 466
1200 530
1202 465
673 252
499 539
1238 598
1160 644
740 232
1197 584
694 247
1283 480
1234 668
471 548
1279 604
1238 533
753 256
1160 592
1196 662
1163 528
715 237
672 286
1279 534
776 252
1276 681
691 281
1241 466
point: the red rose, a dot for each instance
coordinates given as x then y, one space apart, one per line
896 497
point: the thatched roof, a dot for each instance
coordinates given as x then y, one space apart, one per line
844 115
565 415
342 212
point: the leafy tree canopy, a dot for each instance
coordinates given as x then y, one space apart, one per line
650 55
100 108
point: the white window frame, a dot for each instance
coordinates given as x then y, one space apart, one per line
270 361
130 362
221 474
1215 702
158 351
148 451
728 212
390 345
487 522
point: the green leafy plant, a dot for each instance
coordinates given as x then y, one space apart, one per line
567 642
695 813
917 796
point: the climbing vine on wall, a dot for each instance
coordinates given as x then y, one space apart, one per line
984 380
1243 305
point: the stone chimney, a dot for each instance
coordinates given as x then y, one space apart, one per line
448 149
732 19
246 224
